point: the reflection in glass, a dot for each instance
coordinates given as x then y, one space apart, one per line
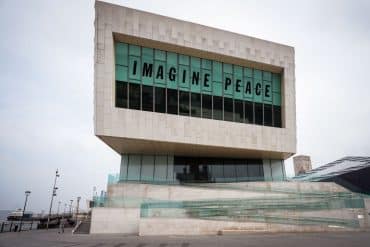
184 103
134 96
238 111
258 113
267 115
217 108
195 105
121 94
172 101
206 106
160 100
277 116
147 98
228 109
248 112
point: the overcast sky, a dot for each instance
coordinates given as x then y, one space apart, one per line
46 85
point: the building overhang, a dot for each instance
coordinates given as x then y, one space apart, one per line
132 146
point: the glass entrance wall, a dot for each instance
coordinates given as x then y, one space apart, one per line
181 169
213 170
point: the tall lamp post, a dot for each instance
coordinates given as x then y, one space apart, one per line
70 208
54 193
64 211
58 208
27 193
78 204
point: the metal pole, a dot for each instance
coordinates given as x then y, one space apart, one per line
70 208
64 211
58 208
27 193
78 204
53 193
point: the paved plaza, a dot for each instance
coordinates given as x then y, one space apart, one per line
52 238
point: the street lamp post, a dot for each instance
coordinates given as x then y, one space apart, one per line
27 193
58 208
78 204
70 208
54 193
64 211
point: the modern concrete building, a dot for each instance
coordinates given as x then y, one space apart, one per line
203 119
302 164
177 99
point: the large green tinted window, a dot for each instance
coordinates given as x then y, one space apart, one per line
149 66
156 80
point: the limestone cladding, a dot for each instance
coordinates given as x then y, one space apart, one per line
128 130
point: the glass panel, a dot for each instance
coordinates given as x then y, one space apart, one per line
194 169
257 87
160 99
184 103
217 108
121 53
218 172
229 170
172 98
267 115
134 69
258 113
147 168
241 171
160 170
121 73
134 163
170 168
134 92
195 74
277 116
181 169
248 117
147 98
195 105
121 94
206 106
238 111
228 109
123 168
255 170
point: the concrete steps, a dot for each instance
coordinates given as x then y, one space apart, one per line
83 227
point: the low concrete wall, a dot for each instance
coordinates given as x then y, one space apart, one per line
115 220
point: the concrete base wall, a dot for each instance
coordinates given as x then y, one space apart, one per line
115 220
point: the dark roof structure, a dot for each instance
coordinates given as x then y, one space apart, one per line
352 172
